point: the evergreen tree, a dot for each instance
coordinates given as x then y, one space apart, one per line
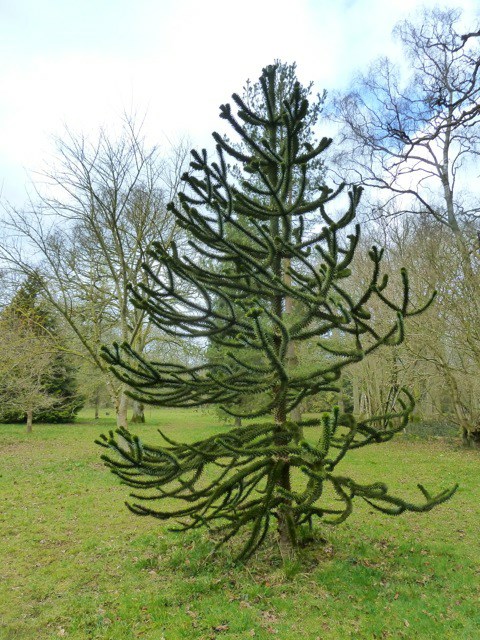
255 230
283 84
59 383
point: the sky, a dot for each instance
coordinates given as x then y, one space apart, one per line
83 64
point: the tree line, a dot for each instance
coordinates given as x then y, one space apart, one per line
410 138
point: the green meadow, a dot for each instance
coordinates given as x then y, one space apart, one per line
75 563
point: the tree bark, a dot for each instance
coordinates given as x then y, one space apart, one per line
286 524
97 406
292 359
121 407
471 439
357 394
29 420
138 413
470 432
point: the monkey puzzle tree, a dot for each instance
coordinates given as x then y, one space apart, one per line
256 231
253 97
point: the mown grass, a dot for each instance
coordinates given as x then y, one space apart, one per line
76 564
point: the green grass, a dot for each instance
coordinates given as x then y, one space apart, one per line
76 564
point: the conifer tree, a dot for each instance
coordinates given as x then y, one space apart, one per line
252 95
256 232
58 382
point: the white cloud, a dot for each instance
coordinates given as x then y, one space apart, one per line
84 64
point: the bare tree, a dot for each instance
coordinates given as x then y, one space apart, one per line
450 341
88 231
416 137
440 353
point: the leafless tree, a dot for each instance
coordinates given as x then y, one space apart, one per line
415 135
88 230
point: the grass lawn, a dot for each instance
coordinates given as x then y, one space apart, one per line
76 564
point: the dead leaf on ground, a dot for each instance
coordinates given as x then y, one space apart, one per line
270 616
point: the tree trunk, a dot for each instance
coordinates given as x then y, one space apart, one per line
138 413
292 359
471 436
286 524
282 304
97 406
296 414
121 407
357 396
120 403
470 432
29 420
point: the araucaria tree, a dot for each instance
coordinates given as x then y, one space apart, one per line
240 480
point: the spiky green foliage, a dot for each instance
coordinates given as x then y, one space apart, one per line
253 96
256 231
